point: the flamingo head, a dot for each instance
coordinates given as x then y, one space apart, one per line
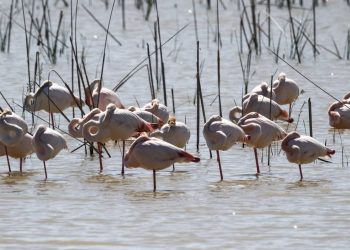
172 121
29 102
334 118
282 77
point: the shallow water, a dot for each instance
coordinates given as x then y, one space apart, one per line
78 208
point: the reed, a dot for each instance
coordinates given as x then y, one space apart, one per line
27 44
195 19
293 31
153 95
197 93
161 55
173 99
310 116
218 56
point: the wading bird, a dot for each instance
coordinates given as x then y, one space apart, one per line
154 154
105 97
51 98
146 115
221 134
47 144
262 105
20 150
158 109
115 124
339 114
262 132
302 149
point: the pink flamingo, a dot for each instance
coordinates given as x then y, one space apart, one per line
107 96
47 144
262 105
339 114
302 149
146 115
51 98
75 126
12 131
221 134
262 132
158 109
284 90
155 154
20 150
115 124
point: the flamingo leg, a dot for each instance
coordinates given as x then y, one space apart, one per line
123 170
52 121
45 170
99 147
301 173
256 161
219 162
173 167
20 164
8 160
154 181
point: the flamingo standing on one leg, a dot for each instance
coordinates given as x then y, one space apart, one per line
115 124
155 154
221 134
158 109
339 114
302 149
106 97
146 115
262 132
51 98
47 144
261 104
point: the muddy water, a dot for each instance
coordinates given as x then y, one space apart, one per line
79 208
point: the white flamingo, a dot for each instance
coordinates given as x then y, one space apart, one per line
106 97
221 134
21 150
115 124
158 109
303 149
339 114
146 115
262 132
51 98
262 105
154 154
47 144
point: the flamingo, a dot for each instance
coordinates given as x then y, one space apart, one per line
221 134
22 149
284 90
262 132
158 109
115 124
339 114
302 149
261 89
261 104
51 98
154 154
174 132
146 115
12 130
107 96
47 144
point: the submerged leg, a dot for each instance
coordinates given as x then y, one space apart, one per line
301 173
20 164
219 162
154 181
99 147
173 167
123 170
8 160
256 161
45 170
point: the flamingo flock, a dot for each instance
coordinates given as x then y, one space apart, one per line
160 137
